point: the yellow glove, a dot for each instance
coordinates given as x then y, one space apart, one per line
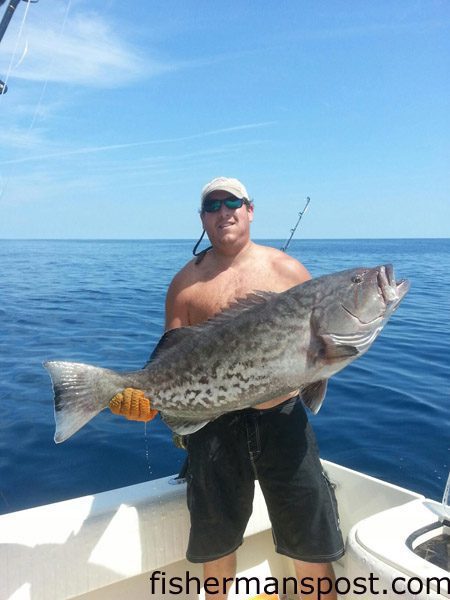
132 404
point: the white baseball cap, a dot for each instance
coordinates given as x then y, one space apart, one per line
225 184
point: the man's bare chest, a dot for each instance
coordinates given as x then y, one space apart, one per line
211 296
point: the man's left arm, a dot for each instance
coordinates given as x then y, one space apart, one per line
291 270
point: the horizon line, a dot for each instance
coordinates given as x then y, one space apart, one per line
187 239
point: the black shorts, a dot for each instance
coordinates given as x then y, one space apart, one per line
276 446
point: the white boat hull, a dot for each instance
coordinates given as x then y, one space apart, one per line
107 545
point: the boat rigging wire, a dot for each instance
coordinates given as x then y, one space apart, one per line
300 215
3 87
44 87
24 53
4 26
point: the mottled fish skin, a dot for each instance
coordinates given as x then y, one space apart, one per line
269 346
263 347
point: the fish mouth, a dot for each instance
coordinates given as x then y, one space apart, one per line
386 284
402 287
390 290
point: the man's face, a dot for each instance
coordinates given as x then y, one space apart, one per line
226 225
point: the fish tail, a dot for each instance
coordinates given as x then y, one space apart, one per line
80 392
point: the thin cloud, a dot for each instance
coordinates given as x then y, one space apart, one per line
99 174
21 139
84 49
51 182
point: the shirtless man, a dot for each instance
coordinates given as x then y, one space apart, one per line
272 441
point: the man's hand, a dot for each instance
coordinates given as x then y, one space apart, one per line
133 405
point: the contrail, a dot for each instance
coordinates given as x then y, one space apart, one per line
94 149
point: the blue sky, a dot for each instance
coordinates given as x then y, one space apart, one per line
119 112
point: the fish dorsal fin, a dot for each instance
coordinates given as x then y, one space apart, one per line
169 339
237 307
314 394
172 337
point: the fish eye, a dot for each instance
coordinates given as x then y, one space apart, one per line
357 279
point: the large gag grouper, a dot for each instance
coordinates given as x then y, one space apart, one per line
263 347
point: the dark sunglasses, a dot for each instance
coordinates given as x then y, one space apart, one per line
211 205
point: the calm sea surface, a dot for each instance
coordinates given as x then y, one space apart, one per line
387 414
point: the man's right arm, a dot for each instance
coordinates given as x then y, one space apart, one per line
177 311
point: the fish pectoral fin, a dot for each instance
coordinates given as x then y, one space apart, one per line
182 426
314 394
335 349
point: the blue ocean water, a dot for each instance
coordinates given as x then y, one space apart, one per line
387 414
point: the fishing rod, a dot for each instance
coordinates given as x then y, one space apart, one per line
4 26
300 215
